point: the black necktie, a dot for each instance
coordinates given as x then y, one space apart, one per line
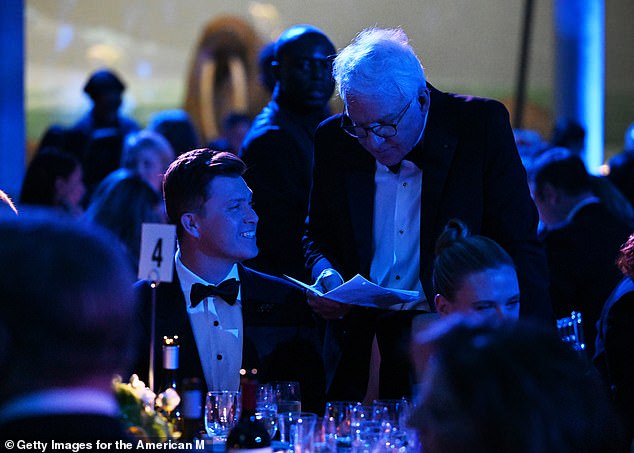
227 290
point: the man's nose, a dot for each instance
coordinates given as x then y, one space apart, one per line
319 68
372 141
251 216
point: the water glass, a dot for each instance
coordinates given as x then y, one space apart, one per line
366 434
393 415
296 431
287 396
222 412
337 420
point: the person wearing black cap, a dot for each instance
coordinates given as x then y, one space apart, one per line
105 90
97 138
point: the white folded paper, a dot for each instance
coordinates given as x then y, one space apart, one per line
362 292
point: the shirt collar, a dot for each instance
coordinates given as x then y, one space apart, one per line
188 278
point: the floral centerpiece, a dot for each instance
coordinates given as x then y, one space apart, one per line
143 412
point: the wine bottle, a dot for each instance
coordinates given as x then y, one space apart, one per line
169 379
249 434
192 408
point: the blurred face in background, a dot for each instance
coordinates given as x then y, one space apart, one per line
149 165
490 293
304 70
70 191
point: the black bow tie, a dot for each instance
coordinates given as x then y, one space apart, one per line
227 290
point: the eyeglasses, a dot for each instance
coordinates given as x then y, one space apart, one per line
380 130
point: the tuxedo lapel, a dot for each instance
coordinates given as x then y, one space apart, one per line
360 190
439 144
172 319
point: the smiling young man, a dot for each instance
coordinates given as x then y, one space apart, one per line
227 316
389 172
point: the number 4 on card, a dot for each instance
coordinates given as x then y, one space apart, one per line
156 261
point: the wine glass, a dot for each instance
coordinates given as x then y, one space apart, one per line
266 408
268 417
222 412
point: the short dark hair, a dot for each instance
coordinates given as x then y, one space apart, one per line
186 181
458 255
38 187
563 169
67 300
499 387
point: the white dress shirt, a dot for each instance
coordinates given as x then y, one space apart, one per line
218 331
396 227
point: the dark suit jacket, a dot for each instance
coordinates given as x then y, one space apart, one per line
614 356
65 427
281 339
471 171
278 151
581 258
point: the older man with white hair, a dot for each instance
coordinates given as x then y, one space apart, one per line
389 172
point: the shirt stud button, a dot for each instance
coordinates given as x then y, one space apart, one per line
398 277
219 356
216 323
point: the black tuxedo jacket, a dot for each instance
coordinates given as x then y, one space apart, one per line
581 261
614 356
471 171
278 151
281 338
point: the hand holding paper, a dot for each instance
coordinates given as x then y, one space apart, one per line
360 291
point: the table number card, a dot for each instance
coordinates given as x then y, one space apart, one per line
158 243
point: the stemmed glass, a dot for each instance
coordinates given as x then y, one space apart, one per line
222 412
266 408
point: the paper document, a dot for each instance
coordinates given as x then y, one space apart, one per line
362 292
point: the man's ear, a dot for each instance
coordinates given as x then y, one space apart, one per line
423 98
189 221
443 306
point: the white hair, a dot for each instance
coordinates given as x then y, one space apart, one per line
379 62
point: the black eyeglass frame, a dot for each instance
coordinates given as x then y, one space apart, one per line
351 129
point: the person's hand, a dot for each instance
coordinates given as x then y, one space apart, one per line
327 308
328 280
